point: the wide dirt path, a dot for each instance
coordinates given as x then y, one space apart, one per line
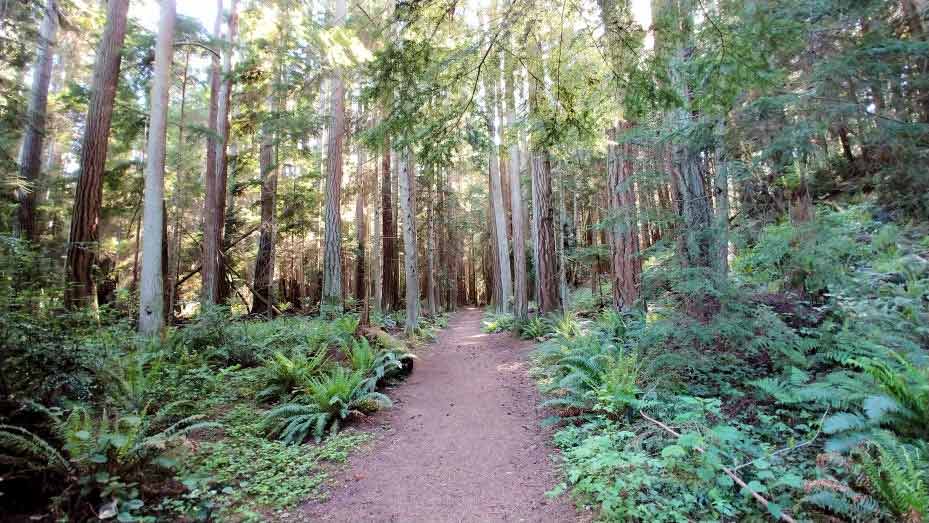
462 443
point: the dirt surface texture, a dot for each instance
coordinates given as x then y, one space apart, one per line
462 443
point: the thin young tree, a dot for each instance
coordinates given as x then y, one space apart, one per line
88 196
30 160
151 290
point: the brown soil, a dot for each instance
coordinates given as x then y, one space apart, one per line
462 443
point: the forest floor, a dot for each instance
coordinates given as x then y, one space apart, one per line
463 441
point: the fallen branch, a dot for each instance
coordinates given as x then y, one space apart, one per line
758 497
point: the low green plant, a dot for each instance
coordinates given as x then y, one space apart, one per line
899 477
533 328
498 322
324 405
103 456
374 363
285 374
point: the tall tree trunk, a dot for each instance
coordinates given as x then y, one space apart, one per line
214 211
407 180
561 240
175 255
624 247
721 189
498 207
520 288
361 229
151 291
391 299
31 155
431 290
545 240
377 264
332 257
264 261
85 217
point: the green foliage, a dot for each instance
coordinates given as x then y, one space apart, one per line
244 472
534 328
899 477
493 323
324 405
107 454
285 374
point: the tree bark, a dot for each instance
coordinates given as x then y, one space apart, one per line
361 229
175 255
391 299
520 289
547 264
332 257
30 161
151 290
407 194
498 207
85 217
214 211
624 247
431 291
377 267
264 261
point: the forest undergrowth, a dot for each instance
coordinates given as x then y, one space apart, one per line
810 383
224 418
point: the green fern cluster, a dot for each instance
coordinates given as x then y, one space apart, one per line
284 374
325 403
899 476
97 453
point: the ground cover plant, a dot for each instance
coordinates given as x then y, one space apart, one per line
815 400
114 425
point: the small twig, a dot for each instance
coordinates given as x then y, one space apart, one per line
761 499
788 449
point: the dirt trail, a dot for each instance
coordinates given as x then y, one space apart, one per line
462 443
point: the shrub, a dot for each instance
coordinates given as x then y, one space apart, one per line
325 404
285 374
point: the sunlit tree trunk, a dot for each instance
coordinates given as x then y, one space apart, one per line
30 160
498 208
520 288
85 217
407 192
151 290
